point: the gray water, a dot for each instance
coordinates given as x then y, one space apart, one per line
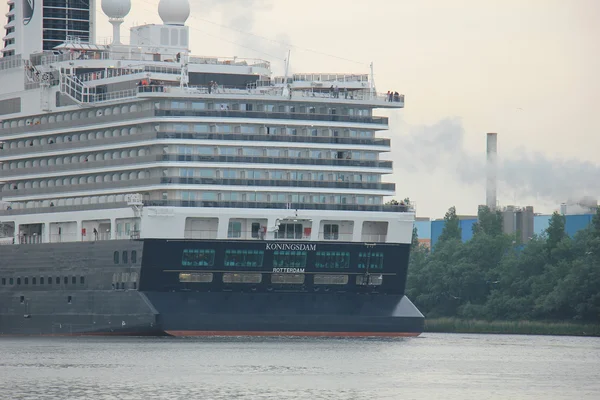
433 366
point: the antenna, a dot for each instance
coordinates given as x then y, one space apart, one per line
372 81
287 90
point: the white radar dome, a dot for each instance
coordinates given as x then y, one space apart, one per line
116 8
174 12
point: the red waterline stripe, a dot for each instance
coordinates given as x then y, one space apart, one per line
301 334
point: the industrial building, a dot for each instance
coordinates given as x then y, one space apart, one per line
515 220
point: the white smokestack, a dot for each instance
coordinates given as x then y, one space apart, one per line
492 158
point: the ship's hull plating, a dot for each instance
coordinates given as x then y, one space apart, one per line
94 309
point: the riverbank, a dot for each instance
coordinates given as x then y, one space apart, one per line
455 325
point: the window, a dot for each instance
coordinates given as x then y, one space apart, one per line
332 260
133 257
41 280
74 280
234 230
18 281
370 261
69 299
124 257
66 280
33 281
198 258
290 231
116 257
255 229
57 280
11 281
196 278
241 277
244 258
373 280
330 279
81 280
4 281
331 231
289 259
287 279
26 281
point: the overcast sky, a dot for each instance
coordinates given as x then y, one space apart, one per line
527 69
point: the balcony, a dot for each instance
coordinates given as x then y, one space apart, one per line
220 204
274 115
133 184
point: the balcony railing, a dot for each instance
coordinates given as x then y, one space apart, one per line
333 185
275 138
273 115
280 160
289 206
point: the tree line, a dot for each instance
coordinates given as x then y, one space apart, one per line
495 277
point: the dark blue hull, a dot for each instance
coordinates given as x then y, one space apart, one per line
81 289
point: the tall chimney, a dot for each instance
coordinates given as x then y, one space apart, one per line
492 157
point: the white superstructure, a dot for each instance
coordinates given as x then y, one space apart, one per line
146 140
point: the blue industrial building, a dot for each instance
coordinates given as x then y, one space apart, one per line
433 229
573 223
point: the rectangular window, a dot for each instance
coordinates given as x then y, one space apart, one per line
224 128
255 229
198 258
183 150
33 281
196 278
331 231
203 128
133 260
289 259
179 128
198 106
287 279
26 281
81 280
209 196
241 277
11 281
373 279
73 280
248 129
290 231
320 279
234 230
244 258
332 260
4 281
206 151
370 261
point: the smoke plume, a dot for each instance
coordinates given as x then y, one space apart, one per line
523 173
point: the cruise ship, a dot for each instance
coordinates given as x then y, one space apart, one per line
149 191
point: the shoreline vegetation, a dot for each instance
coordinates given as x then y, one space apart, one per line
457 325
495 282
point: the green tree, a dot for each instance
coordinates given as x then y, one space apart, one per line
415 237
452 230
488 222
553 277
555 230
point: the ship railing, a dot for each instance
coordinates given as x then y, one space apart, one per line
363 95
235 61
327 77
372 238
10 62
237 90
